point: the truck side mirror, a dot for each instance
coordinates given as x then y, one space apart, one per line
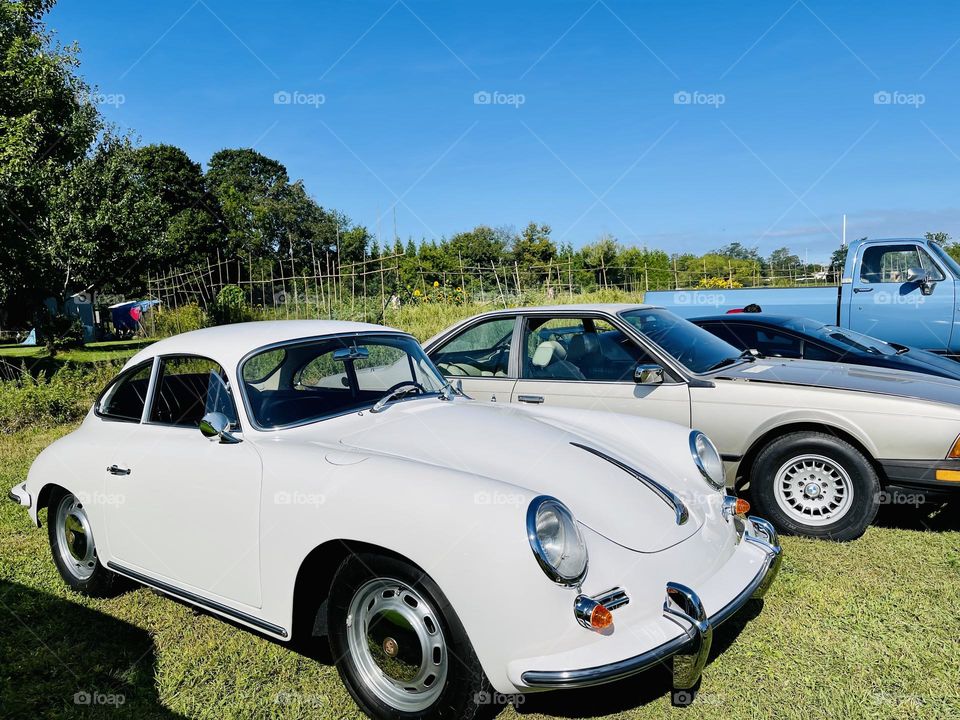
922 278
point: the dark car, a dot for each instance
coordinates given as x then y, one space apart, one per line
790 337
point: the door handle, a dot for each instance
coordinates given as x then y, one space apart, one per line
862 289
117 470
533 399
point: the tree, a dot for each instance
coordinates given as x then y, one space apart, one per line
736 251
193 223
940 238
782 258
533 250
47 123
105 229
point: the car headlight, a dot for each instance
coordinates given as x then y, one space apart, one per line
707 459
556 541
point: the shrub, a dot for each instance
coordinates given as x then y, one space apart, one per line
718 283
230 306
173 321
59 332
65 396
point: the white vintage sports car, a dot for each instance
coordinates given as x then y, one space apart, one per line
312 478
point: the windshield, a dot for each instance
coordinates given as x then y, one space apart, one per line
307 381
693 347
945 258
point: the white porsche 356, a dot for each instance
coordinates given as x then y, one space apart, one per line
310 478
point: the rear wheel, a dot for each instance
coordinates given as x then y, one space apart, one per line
814 484
399 646
74 549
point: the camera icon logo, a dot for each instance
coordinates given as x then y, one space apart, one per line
282 97
681 698
882 97
682 97
482 97
82 698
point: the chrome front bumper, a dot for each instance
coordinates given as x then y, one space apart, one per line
688 650
19 495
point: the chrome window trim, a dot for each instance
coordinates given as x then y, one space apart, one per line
122 375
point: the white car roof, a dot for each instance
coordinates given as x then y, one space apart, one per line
228 344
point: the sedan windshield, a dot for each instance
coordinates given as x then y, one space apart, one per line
693 347
306 381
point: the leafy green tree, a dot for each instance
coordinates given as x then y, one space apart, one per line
533 250
940 238
105 231
47 123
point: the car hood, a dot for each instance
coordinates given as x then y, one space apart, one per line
842 376
513 445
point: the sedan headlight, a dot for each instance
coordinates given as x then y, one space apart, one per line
707 459
556 541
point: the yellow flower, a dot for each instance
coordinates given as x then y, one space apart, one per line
416 293
436 283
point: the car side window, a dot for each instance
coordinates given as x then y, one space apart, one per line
892 263
188 388
482 350
778 344
729 334
812 351
587 348
125 398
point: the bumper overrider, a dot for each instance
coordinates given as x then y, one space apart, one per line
682 605
19 495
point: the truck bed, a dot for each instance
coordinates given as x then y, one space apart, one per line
820 303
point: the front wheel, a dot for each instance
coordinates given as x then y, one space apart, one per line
399 647
73 548
815 484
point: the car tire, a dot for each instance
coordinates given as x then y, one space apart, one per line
815 484
391 627
74 550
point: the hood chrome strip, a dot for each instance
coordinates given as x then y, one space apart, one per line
669 497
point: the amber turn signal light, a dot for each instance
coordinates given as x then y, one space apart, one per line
742 507
601 618
948 475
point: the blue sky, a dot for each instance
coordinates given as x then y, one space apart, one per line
679 125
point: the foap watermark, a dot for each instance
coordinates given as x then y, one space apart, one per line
101 498
299 498
95 697
112 99
706 299
884 297
496 698
499 498
495 97
296 97
696 97
895 97
290 697
901 498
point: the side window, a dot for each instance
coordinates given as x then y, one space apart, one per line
778 344
579 349
482 350
126 396
727 333
812 351
187 389
891 263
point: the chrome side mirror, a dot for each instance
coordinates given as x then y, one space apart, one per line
648 374
217 425
922 278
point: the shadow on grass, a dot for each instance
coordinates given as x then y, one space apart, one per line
635 691
935 517
63 660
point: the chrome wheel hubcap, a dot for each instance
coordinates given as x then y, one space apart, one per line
74 538
813 489
395 639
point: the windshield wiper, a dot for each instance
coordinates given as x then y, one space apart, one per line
727 361
397 392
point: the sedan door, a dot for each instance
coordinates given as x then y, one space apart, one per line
188 507
585 362
479 357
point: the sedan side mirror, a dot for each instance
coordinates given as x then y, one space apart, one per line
217 425
648 374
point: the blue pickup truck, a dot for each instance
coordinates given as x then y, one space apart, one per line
901 290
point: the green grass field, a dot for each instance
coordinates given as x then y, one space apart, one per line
869 629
